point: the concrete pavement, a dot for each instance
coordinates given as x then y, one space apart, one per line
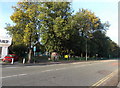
118 85
50 63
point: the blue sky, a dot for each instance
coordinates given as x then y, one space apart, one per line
106 10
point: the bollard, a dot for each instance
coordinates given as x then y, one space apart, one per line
24 61
49 59
12 60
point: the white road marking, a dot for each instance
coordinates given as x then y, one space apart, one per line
47 65
60 68
64 68
13 76
11 67
46 71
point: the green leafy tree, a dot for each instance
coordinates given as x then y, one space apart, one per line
56 25
25 31
114 50
59 30
86 24
102 44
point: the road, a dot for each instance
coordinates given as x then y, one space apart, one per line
91 73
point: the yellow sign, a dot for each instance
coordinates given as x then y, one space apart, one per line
66 56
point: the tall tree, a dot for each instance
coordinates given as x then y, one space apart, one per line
86 24
25 30
102 43
114 50
56 25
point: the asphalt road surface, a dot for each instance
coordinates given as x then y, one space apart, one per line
92 73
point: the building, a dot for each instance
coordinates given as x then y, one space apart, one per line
5 42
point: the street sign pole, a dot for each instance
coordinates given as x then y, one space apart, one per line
86 49
34 49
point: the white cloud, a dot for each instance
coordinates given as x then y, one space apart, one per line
113 33
3 32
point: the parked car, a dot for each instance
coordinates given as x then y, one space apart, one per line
9 57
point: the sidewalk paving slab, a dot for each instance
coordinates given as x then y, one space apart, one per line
118 86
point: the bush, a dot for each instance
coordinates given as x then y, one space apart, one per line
38 59
19 50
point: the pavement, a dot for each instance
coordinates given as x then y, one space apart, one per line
42 63
90 73
51 62
118 85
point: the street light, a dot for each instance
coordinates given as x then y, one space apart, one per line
86 48
86 41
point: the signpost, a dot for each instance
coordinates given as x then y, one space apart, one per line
34 49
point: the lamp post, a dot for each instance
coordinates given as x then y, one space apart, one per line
86 49
86 43
87 46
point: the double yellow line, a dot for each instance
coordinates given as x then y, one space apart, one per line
103 80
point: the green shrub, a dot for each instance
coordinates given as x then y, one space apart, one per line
40 59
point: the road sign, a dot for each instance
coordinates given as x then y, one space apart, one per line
34 49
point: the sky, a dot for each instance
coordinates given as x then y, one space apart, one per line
106 10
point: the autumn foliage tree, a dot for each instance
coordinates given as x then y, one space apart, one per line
25 30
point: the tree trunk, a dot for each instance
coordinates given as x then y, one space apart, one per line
29 55
81 55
